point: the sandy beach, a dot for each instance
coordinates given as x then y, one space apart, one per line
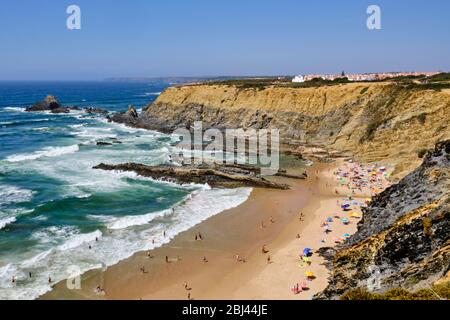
229 263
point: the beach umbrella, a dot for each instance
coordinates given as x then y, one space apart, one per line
356 215
307 252
329 219
346 235
309 274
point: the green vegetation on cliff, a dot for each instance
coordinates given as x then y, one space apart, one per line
435 292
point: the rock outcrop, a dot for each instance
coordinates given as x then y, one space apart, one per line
52 105
403 240
232 176
376 122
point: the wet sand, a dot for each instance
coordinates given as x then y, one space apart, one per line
235 232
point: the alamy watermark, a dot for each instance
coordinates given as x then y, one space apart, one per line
230 146
374 19
73 22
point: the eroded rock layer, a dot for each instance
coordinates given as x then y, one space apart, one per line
377 122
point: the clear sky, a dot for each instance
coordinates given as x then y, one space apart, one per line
121 38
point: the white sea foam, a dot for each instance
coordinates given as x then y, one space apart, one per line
54 234
79 240
46 152
5 221
129 235
11 194
148 94
76 126
62 247
96 133
36 260
8 123
14 109
130 221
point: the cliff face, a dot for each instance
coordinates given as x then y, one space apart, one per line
404 239
377 122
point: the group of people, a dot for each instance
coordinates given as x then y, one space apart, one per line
358 177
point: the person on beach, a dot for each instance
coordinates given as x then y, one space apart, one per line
272 220
29 274
49 280
269 260
164 233
189 296
205 260
302 216
167 259
262 224
264 249
13 279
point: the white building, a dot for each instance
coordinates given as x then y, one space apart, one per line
299 79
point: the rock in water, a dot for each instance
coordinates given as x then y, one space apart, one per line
215 176
50 103
132 112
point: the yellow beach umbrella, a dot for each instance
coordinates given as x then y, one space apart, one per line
355 215
309 274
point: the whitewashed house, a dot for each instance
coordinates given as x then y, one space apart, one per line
298 79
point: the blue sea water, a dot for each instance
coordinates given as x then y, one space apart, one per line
57 213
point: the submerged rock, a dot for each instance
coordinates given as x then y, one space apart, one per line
102 143
100 111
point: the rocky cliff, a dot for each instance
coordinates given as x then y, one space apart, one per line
376 122
403 240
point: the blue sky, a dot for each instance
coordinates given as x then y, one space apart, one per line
217 37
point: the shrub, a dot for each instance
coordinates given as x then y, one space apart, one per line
360 294
435 292
422 118
421 153
364 90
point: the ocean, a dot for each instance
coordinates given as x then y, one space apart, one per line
57 214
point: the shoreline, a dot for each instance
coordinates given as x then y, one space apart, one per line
233 232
